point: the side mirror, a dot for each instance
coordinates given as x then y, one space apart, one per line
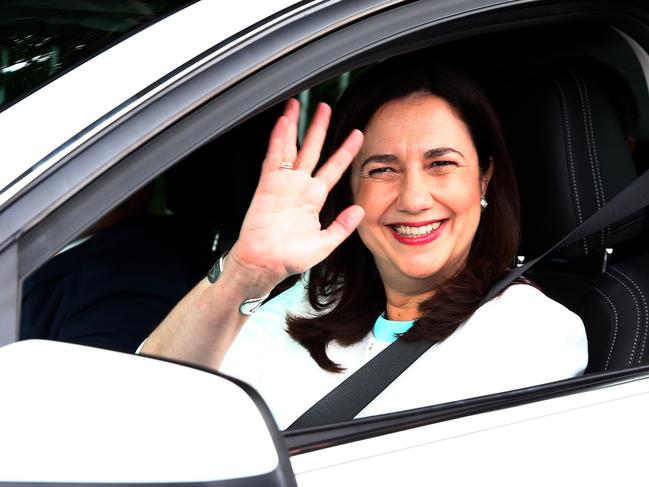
73 414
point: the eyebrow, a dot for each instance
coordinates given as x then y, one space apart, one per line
430 154
441 151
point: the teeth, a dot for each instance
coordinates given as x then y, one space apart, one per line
417 231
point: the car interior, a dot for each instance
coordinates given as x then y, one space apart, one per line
571 100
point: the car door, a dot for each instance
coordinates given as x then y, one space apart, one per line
313 42
560 438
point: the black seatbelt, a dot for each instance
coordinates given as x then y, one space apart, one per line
352 395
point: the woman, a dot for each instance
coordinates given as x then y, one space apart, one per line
423 221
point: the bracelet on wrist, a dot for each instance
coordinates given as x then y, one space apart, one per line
249 306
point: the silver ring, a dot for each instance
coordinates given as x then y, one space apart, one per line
286 165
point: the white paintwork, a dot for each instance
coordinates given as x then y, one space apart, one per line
89 415
580 439
37 125
109 429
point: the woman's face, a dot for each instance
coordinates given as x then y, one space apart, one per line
418 179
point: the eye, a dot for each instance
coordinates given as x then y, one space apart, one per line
442 167
379 171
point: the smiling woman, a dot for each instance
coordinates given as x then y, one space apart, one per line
426 251
432 147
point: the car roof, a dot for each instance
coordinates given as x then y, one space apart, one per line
44 126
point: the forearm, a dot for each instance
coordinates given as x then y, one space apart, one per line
203 325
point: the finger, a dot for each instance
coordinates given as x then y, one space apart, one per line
315 137
342 227
292 110
292 114
336 165
275 151
290 143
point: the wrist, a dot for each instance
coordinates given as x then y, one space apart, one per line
249 273
247 287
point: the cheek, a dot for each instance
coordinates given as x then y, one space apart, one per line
362 196
460 196
464 203
372 197
470 211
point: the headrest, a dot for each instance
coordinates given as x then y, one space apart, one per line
570 156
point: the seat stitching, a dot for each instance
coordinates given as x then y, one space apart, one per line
590 142
644 307
588 138
573 179
615 330
637 308
590 131
605 230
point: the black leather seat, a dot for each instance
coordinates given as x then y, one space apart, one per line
571 157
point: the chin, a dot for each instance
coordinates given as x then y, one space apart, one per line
427 266
421 272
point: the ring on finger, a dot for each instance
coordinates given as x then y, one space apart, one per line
286 165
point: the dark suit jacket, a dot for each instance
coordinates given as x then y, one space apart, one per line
112 290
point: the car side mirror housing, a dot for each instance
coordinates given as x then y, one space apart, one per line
74 414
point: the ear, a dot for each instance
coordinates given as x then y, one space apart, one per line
486 176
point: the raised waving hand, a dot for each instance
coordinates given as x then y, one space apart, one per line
281 234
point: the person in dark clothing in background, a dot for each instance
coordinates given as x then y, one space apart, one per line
110 288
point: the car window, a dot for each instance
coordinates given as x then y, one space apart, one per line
41 40
200 204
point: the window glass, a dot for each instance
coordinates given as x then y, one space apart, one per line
41 39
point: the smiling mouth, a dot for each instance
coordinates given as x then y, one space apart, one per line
419 231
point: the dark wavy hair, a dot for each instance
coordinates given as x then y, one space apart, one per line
345 289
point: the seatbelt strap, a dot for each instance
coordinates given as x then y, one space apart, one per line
352 395
631 199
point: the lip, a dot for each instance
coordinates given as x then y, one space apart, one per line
421 240
417 224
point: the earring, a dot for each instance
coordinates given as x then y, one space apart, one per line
483 203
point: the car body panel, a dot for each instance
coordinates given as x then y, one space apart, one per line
86 406
10 295
542 443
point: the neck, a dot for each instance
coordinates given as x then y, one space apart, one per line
404 306
404 293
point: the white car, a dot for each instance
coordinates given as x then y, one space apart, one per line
105 107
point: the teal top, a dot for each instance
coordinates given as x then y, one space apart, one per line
385 330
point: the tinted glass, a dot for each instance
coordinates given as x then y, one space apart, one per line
41 39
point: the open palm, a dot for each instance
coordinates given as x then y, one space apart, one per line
281 233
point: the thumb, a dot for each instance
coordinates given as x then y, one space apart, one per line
342 227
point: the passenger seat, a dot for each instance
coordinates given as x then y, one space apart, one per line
571 157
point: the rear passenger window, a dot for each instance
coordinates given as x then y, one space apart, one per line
40 40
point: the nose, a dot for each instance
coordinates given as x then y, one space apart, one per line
415 193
